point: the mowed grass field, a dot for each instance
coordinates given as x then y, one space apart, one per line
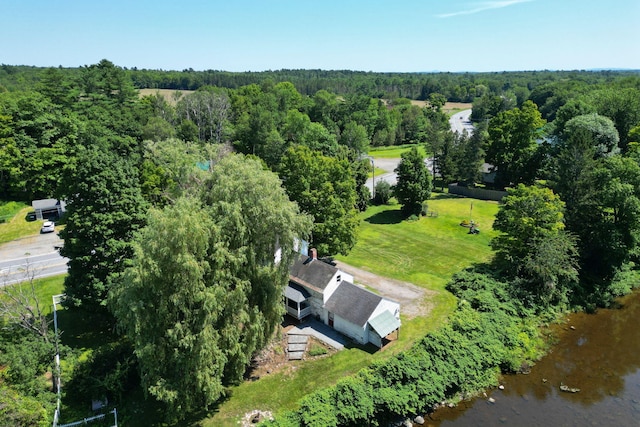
16 224
168 94
394 152
449 107
426 252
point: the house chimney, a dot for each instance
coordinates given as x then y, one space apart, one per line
314 253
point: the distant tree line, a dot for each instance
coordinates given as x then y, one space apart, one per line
456 87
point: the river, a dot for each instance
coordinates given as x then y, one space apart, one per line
596 353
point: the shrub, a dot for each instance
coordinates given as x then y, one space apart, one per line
383 193
317 350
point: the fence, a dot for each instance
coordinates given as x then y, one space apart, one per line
477 193
57 299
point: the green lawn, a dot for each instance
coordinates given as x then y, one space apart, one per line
426 252
16 225
394 152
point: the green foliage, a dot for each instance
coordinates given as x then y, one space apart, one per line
601 130
257 218
177 323
104 209
324 188
414 182
534 249
18 410
9 209
317 350
172 168
27 358
622 106
526 214
204 291
606 215
512 146
110 371
383 193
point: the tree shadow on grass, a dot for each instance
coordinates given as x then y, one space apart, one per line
386 217
83 329
443 196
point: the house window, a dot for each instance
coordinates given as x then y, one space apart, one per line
338 278
304 304
292 304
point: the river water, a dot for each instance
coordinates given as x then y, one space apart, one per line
596 353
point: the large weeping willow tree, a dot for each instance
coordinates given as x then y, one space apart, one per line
204 292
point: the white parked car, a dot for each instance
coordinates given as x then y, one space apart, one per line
48 227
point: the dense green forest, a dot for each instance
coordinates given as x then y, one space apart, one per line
456 87
164 216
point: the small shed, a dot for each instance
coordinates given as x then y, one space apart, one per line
46 208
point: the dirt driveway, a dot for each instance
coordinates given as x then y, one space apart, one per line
414 300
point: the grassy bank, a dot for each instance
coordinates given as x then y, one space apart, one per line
425 252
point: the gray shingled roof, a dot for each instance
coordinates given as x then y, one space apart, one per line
353 303
312 272
45 204
295 292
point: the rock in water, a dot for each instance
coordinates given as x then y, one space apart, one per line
568 389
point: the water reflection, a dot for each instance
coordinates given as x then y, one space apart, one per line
598 353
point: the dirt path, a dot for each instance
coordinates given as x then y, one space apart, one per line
414 300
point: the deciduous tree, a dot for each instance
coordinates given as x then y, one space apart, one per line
324 188
414 182
512 144
204 291
534 249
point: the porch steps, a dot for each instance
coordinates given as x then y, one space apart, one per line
296 346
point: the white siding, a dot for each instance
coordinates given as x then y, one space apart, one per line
347 328
315 302
331 286
385 304
374 338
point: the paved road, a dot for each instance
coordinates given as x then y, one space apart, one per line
459 122
33 256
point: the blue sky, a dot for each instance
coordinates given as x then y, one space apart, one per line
366 35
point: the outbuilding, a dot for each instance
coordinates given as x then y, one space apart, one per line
48 208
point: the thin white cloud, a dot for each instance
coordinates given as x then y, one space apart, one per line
481 7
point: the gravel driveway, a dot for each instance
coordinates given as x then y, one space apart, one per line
414 300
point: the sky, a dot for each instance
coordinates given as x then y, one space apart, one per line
363 35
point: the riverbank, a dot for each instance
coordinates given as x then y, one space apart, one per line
597 353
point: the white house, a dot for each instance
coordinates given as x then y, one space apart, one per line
321 290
